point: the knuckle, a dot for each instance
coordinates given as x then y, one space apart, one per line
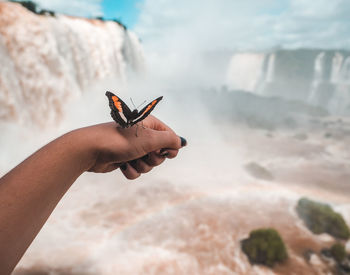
146 170
130 173
141 167
132 176
174 140
155 160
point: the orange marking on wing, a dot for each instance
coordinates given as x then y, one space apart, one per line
117 103
149 106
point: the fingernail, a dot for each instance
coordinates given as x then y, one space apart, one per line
183 142
123 167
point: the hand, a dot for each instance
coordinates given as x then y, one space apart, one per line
32 189
115 147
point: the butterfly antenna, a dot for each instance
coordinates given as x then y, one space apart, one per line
141 104
132 103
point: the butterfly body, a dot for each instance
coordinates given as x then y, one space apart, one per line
122 114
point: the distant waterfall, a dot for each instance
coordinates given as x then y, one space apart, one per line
47 60
321 88
340 102
317 77
270 68
245 70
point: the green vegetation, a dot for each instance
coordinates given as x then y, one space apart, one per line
46 12
320 218
119 22
30 5
101 18
338 252
264 246
33 7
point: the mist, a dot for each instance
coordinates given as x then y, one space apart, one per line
253 149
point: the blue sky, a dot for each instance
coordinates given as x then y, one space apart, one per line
125 10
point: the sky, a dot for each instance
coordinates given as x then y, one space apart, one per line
224 24
126 11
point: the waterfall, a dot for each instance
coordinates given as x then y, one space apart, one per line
340 102
270 68
267 75
336 66
245 71
46 60
316 77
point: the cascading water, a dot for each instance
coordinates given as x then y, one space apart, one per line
321 87
270 68
340 102
313 76
245 71
46 60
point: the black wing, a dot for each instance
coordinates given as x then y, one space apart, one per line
147 110
120 112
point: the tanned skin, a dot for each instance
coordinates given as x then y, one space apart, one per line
30 191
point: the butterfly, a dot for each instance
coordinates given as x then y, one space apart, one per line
122 114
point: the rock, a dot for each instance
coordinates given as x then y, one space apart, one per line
258 171
345 266
326 253
308 254
320 218
300 136
264 246
315 260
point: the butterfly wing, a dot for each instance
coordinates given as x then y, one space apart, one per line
147 110
120 112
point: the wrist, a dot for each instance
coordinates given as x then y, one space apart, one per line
83 148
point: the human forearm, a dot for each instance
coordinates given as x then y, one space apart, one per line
30 192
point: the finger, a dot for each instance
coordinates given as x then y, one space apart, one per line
162 139
140 166
153 159
160 132
154 123
129 172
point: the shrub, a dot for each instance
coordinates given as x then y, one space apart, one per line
264 246
30 5
47 12
119 22
320 218
338 252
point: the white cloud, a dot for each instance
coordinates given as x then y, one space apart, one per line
74 7
249 24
